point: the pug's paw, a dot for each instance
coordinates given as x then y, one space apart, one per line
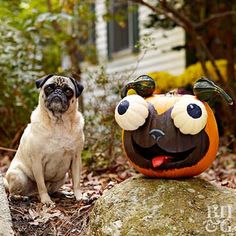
78 194
46 200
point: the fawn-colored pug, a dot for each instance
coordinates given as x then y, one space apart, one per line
51 144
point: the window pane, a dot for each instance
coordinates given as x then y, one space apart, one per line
120 29
122 32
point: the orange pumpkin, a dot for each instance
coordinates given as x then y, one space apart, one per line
168 136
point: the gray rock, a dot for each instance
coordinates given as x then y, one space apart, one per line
5 216
151 207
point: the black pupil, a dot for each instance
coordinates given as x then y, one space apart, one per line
194 110
123 107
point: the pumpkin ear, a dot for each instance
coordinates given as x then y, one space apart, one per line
204 89
143 86
40 82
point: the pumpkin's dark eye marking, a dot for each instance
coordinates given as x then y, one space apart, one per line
123 107
194 110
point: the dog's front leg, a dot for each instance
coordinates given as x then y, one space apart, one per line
76 172
39 178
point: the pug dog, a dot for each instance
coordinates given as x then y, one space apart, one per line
51 144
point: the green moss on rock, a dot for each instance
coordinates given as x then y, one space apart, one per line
151 207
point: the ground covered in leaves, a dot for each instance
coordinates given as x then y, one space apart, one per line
70 217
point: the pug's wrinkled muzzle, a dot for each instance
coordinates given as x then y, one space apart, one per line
57 102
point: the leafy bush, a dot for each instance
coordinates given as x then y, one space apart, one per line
165 81
19 62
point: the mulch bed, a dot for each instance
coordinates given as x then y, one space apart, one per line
70 217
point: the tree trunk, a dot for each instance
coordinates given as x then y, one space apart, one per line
74 55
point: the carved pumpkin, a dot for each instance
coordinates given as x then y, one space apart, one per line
168 135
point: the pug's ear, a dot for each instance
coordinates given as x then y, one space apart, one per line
78 87
40 82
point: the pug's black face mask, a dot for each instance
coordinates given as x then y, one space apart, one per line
57 97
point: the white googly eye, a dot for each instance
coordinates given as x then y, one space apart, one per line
131 112
189 115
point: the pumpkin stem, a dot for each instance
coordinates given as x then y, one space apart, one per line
143 86
204 89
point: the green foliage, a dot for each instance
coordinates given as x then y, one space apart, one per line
35 37
59 28
20 65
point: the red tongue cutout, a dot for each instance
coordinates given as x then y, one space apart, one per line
157 161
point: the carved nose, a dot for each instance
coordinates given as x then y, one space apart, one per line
156 134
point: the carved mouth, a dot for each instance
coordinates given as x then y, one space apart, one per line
159 157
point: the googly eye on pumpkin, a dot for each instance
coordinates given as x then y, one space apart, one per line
131 112
189 115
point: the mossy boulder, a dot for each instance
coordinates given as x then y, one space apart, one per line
151 207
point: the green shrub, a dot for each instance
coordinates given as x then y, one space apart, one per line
166 81
19 62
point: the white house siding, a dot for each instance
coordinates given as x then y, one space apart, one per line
158 58
101 30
